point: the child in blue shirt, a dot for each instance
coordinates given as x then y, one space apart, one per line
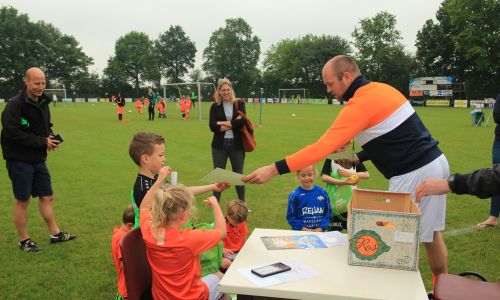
308 205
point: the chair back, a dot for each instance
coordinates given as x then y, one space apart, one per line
456 287
135 264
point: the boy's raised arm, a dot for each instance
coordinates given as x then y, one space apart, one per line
148 198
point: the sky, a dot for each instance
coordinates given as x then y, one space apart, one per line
97 24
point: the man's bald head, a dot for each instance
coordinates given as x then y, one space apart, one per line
338 74
33 72
342 63
34 80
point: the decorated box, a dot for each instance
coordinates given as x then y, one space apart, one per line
384 230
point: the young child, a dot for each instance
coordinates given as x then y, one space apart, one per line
120 104
147 150
118 233
161 109
185 105
138 105
308 205
237 230
173 253
340 183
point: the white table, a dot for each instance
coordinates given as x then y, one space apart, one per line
337 279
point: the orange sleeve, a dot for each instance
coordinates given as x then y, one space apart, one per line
352 119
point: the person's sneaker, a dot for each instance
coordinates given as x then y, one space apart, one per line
62 237
29 246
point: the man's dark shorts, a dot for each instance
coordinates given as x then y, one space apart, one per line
29 179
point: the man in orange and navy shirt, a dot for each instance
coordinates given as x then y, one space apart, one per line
381 120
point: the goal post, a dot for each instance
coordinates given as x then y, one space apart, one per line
198 86
60 93
295 93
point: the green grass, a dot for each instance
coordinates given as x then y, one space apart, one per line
93 175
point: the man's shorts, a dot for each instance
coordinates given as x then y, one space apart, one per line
29 179
433 208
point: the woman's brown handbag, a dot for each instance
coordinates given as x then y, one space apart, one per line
246 131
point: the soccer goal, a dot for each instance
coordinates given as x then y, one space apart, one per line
295 95
186 84
60 93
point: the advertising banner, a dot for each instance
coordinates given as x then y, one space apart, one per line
437 103
460 103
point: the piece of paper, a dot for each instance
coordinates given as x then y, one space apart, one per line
292 242
333 238
299 271
223 176
346 154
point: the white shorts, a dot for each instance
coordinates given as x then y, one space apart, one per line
212 281
433 208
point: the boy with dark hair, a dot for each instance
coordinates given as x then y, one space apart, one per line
147 150
119 232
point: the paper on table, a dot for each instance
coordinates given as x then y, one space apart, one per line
222 175
299 271
333 238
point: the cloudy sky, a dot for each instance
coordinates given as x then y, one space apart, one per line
97 24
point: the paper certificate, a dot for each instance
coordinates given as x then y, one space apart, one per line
346 154
222 175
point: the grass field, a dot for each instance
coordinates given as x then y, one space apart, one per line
93 175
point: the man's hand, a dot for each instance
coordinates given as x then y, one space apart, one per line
52 143
431 186
261 175
346 163
219 187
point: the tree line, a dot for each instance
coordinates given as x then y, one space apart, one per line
462 42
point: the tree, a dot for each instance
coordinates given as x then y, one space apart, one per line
297 63
196 75
380 53
114 80
464 42
133 58
26 44
233 52
176 53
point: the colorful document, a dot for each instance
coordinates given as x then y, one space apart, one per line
293 242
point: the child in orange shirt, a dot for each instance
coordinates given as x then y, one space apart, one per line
237 230
138 105
162 109
173 253
118 233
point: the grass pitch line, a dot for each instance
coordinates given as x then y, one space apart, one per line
460 231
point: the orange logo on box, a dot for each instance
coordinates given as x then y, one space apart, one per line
368 245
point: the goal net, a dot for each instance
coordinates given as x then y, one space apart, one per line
60 93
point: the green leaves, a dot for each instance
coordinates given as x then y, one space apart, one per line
176 52
297 63
463 42
233 52
26 44
380 54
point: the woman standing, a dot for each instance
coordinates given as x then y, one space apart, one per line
225 123
492 220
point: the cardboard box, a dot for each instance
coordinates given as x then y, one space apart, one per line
384 230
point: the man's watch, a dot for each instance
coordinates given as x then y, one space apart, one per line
451 181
